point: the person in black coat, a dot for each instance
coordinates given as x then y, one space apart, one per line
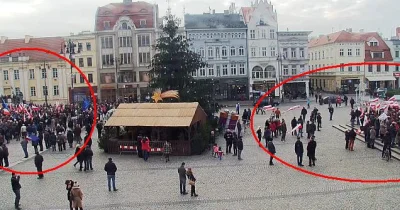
299 150
40 131
387 141
319 121
39 164
89 144
99 129
351 103
271 149
304 113
294 124
79 157
240 148
312 145
111 168
88 155
16 187
347 138
70 137
69 184
4 156
330 109
53 141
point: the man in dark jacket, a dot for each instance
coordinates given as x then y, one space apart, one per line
271 149
88 155
294 124
110 168
319 121
351 103
387 144
4 155
312 145
298 148
229 140
16 187
347 138
182 179
304 113
39 164
240 148
330 109
99 129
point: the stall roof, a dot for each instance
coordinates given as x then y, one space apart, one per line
156 115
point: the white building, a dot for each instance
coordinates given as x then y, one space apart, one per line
394 45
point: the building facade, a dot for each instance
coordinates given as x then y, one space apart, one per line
293 60
84 58
31 75
125 33
220 39
262 47
394 45
347 47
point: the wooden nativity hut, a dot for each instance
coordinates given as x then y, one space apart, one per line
175 122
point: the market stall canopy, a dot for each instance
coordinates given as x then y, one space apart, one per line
157 115
381 78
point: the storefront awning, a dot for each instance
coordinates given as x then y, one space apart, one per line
381 78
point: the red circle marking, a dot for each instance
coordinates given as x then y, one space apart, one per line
94 115
370 181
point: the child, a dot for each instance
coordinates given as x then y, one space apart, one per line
220 153
215 150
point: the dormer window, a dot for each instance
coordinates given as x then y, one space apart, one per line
106 24
377 54
373 43
262 21
142 23
124 26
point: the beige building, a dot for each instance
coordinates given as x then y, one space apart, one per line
29 74
85 59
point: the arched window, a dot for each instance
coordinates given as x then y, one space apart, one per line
257 72
124 26
270 72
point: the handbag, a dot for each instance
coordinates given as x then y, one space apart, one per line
191 182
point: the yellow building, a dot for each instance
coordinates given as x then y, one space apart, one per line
84 57
28 74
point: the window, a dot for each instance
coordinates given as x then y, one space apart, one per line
125 41
323 54
273 52
396 54
377 55
357 52
285 70
294 70
18 91
89 62
350 68
108 59
142 22
233 69
242 69
56 92
233 51
372 43
126 58
194 73
224 70
386 68
144 58
81 79
218 70
342 67
107 42
210 52
33 91
143 40
81 63
253 52
257 72
341 52
285 53
270 72
31 73
106 25
241 51
224 53
369 68
264 51
202 53
16 74
378 68
358 68
252 34
44 73
90 78
5 75
272 34
88 46
263 34
55 73
45 92
397 68
217 53
349 52
202 72
293 51
210 70
301 52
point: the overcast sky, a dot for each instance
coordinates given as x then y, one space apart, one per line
61 17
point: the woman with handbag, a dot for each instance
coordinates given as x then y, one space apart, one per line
192 182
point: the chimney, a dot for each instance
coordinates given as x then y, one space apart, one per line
398 32
27 39
3 39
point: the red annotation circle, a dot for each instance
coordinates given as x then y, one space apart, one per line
370 181
94 115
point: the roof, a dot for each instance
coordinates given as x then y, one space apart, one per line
340 36
50 43
134 10
211 21
156 114
246 12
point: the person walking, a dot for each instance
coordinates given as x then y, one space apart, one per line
16 187
69 184
240 148
4 155
283 130
88 156
319 121
352 137
111 168
145 148
99 127
271 149
192 182
304 113
299 150
259 134
182 179
77 197
351 103
347 138
24 145
39 164
372 136
167 150
312 145
330 109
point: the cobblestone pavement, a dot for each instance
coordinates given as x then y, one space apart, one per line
227 184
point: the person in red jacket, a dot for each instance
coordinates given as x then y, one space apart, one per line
272 126
145 148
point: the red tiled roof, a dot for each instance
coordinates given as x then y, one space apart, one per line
134 10
50 43
344 36
246 12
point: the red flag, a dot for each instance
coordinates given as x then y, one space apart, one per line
35 108
6 112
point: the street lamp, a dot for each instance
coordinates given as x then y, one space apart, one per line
46 92
117 62
69 48
279 59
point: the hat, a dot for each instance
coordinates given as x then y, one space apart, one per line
298 138
77 145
